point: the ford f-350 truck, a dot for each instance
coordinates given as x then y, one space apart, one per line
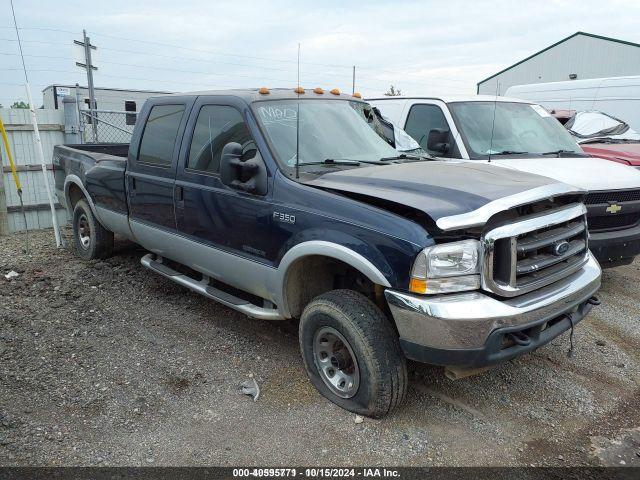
523 136
285 204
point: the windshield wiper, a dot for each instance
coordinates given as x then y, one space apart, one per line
561 152
341 161
402 156
509 152
332 161
608 140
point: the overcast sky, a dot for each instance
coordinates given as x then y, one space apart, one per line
420 47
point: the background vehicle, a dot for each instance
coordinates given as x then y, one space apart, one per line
618 96
284 205
523 136
602 135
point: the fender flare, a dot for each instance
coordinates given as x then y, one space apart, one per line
74 179
324 249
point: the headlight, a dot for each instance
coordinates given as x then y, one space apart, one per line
450 267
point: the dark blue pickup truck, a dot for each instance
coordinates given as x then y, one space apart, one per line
284 204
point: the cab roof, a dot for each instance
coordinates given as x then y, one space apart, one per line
452 98
253 94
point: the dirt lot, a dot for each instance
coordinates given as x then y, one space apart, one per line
104 363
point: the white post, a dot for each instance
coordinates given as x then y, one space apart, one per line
36 136
40 154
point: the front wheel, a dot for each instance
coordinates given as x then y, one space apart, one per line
91 240
352 353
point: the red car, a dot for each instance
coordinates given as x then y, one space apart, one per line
602 135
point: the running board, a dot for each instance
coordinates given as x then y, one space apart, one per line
203 288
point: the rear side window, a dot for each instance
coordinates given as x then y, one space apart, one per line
160 132
130 106
216 126
422 119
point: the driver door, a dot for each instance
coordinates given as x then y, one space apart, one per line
207 211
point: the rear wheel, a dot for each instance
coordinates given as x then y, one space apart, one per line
352 354
91 240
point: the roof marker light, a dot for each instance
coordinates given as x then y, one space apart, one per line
357 95
263 91
298 90
335 91
318 90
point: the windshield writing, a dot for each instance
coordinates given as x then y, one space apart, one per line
328 129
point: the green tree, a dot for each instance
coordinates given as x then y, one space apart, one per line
20 104
392 92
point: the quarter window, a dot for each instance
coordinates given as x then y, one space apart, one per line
130 106
421 120
216 126
160 132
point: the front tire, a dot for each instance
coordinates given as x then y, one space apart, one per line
352 353
91 240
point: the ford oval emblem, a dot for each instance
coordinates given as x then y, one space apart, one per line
560 248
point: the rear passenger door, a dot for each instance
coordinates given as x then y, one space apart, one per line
151 168
207 211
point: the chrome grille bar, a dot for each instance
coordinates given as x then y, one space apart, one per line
528 247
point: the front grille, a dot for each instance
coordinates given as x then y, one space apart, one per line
535 251
613 222
595 198
602 220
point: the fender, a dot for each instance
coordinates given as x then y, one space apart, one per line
325 249
71 178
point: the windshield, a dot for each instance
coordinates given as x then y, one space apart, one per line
517 128
328 129
592 125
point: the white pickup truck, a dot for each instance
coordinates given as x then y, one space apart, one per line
523 136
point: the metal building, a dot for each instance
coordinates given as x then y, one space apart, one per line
579 56
106 98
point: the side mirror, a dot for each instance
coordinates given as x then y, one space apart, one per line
246 175
438 140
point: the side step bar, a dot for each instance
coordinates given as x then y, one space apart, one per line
202 288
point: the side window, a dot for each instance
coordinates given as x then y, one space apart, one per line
421 120
216 126
130 106
159 136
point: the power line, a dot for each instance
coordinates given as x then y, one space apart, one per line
343 77
377 69
33 41
41 28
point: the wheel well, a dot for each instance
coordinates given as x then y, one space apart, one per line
75 195
313 275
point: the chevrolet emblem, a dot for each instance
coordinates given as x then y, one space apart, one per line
613 208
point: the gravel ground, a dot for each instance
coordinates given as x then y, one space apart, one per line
105 363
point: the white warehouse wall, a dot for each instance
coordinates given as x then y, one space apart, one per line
106 98
587 56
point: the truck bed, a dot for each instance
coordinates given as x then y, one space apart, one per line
99 168
115 149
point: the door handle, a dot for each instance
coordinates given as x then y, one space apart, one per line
179 196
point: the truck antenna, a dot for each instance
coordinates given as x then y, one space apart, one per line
493 122
298 120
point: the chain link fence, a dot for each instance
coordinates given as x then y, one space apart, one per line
107 126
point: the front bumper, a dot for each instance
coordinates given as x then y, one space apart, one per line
618 247
474 329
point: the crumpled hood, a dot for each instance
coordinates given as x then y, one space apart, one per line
438 188
628 153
